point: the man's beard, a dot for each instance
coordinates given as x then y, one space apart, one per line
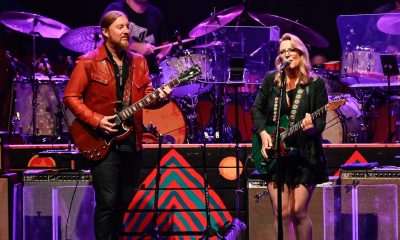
119 45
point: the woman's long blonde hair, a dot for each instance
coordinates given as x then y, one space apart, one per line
306 75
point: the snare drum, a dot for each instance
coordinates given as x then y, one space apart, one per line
168 121
344 124
172 67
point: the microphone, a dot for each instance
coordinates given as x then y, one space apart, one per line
285 64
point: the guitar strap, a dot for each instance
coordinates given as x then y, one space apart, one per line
295 106
126 98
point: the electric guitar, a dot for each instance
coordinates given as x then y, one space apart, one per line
264 165
95 145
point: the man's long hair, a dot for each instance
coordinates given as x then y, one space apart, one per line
108 18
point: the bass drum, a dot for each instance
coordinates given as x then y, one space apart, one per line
344 125
167 120
46 111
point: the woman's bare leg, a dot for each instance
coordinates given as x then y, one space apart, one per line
286 213
302 225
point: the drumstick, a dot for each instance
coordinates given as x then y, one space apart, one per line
174 43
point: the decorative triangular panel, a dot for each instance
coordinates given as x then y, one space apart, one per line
184 200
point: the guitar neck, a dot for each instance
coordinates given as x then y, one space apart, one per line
129 111
314 115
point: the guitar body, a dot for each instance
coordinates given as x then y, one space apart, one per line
93 144
265 165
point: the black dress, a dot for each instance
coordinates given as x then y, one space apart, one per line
308 167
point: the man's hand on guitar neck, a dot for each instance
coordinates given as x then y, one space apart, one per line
106 125
164 92
266 143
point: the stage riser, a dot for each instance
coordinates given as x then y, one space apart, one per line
17 156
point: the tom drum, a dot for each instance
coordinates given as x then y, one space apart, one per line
172 67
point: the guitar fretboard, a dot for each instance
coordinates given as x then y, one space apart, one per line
330 106
296 127
129 111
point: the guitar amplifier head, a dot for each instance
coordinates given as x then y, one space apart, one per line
40 176
375 173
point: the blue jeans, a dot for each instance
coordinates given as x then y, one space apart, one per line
115 181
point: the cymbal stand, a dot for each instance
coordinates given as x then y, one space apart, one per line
362 95
59 103
35 86
218 125
390 68
188 104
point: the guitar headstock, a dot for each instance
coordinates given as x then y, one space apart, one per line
336 103
190 73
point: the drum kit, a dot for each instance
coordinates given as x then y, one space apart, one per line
38 111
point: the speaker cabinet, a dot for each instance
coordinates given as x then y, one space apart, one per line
50 198
368 212
7 182
261 215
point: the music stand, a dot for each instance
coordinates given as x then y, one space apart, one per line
389 68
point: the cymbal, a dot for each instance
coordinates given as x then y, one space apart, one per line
216 21
33 24
389 23
306 34
210 44
83 39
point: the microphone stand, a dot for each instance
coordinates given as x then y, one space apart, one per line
277 152
209 231
154 232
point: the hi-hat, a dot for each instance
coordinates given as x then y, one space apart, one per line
306 34
389 23
82 39
216 21
33 24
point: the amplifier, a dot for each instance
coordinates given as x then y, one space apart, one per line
52 197
7 205
368 205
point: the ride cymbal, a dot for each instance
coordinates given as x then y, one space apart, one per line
33 24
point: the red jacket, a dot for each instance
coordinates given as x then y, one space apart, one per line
92 86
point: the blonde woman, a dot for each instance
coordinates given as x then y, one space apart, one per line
302 170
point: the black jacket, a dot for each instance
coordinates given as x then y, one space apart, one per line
309 147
